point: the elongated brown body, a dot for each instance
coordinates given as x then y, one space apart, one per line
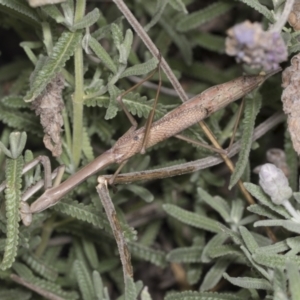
186 115
177 120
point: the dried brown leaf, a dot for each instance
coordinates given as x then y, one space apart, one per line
49 106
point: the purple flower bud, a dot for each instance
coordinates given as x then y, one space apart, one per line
257 48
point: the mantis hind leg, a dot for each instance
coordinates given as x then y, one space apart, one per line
134 122
152 113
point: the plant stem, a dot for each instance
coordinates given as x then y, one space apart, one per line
116 227
79 91
284 16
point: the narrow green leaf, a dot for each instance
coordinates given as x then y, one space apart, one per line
178 5
181 41
252 106
150 233
294 244
125 47
130 289
191 218
98 286
262 211
294 279
17 141
81 212
41 62
22 270
68 9
11 70
103 55
258 267
209 41
275 260
194 273
86 145
91 253
105 30
202 16
140 191
249 282
294 49
40 267
145 294
15 293
160 7
112 109
13 173
20 9
52 287
84 280
117 34
215 273
185 254
287 224
249 240
225 250
13 101
258 193
189 295
274 248
5 150
88 20
280 285
62 51
261 240
216 203
53 12
232 234
215 242
156 257
20 120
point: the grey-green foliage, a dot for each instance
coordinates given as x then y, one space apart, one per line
252 107
62 51
156 257
39 267
192 219
189 295
13 175
84 280
69 250
260 8
18 9
101 292
249 283
197 18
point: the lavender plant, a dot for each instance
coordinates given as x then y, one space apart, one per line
207 234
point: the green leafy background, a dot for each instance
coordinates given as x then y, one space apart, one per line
190 236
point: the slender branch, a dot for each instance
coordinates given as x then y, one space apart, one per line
79 91
199 164
116 227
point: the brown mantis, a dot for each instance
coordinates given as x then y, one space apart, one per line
131 143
